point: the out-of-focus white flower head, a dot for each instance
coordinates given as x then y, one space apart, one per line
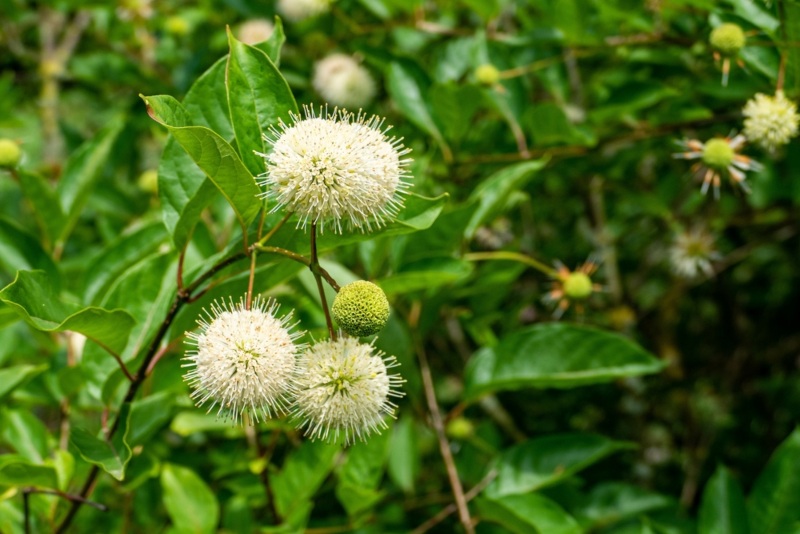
336 167
692 254
297 10
343 390
243 360
343 82
255 31
770 121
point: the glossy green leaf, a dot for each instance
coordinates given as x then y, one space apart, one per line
25 434
149 415
82 170
45 203
430 273
493 192
189 501
722 508
16 470
303 472
359 477
612 502
112 456
528 514
272 46
774 502
556 355
17 375
404 455
258 97
33 297
545 461
183 189
408 95
20 251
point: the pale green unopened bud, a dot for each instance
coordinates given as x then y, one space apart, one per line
487 74
577 285
361 308
148 181
718 154
460 428
728 38
177 25
10 153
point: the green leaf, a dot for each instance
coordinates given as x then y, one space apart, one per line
46 207
774 502
272 46
722 509
430 273
545 461
754 13
190 503
82 170
25 433
528 514
13 377
359 477
407 93
112 456
183 189
492 193
33 297
303 473
20 251
15 470
258 97
555 355
404 456
611 502
149 415
211 153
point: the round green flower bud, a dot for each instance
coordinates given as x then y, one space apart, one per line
718 154
177 25
361 308
728 38
148 181
487 74
577 285
9 153
460 428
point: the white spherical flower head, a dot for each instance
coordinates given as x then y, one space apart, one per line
343 389
298 10
243 360
336 167
343 82
770 121
255 31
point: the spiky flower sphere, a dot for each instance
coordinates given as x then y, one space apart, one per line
298 10
727 38
255 31
487 74
770 121
243 360
360 308
692 253
343 82
10 153
336 167
578 285
718 153
343 390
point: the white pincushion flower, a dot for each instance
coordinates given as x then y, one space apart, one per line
770 121
343 388
297 10
255 31
243 360
692 253
343 82
334 167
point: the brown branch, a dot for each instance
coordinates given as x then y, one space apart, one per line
450 508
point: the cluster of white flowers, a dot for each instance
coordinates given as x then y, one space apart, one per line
255 31
341 81
299 10
336 166
693 253
245 358
770 121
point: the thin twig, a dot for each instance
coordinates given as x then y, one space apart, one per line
315 268
511 256
69 497
450 508
274 229
438 426
251 279
26 510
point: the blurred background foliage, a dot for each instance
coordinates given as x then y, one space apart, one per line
565 156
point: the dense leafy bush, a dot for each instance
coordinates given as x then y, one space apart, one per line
183 196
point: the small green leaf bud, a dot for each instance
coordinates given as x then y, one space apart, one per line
10 153
487 74
460 428
361 308
727 38
577 285
718 154
148 181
